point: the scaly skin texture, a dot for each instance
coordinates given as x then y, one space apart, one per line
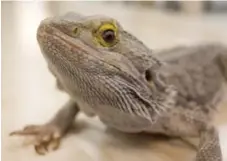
110 73
199 74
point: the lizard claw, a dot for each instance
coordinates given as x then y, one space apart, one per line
47 137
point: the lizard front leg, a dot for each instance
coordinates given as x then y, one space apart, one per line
50 133
183 122
209 146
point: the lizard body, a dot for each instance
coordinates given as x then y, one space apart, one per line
106 72
199 74
202 76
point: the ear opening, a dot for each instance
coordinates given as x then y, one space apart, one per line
148 75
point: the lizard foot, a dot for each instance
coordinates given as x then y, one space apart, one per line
46 137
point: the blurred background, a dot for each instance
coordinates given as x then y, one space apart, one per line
28 89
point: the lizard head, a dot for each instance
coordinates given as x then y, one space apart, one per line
105 34
97 54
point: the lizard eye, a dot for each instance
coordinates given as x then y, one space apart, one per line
107 35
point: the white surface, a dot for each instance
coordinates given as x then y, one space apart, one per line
29 94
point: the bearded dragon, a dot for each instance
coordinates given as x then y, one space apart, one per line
109 73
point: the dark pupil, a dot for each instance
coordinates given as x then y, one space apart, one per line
108 36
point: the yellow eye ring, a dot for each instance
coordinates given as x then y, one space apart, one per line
107 35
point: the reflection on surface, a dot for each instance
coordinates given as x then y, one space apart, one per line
28 89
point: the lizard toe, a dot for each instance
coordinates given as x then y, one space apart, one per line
45 137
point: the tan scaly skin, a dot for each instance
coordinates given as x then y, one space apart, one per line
105 70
